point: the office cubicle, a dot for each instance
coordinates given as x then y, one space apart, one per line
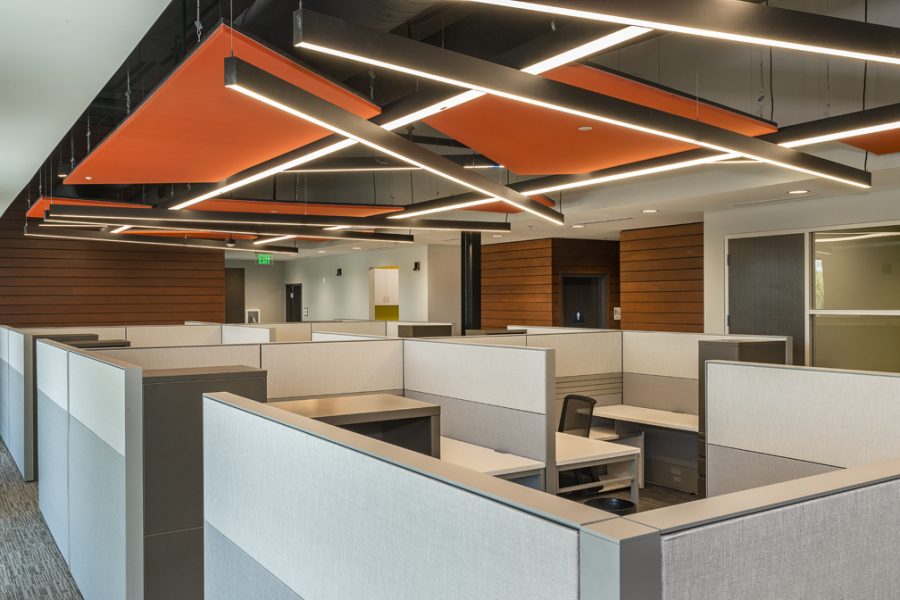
771 423
428 529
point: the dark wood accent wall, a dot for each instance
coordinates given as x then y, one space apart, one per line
585 257
661 270
517 284
47 281
521 282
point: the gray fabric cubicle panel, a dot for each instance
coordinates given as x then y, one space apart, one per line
676 394
841 547
506 429
229 572
357 526
52 363
733 470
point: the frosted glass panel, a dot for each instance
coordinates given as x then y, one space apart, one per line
856 342
857 269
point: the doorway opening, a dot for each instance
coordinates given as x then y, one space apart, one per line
293 302
585 301
384 293
234 295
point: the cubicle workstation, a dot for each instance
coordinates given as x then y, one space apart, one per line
429 529
120 461
772 423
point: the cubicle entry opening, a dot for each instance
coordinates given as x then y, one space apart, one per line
585 301
293 303
234 295
766 288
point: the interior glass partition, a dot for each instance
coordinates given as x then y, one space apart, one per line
855 288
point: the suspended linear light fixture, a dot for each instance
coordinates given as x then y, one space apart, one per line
742 22
329 147
337 38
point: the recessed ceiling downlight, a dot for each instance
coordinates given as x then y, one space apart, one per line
798 192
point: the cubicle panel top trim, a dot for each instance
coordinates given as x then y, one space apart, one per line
92 354
552 508
729 506
752 365
462 338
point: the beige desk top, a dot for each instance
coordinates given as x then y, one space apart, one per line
573 449
339 410
485 460
649 416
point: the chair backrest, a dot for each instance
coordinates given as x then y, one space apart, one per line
575 417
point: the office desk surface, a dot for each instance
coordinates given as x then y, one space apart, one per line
485 460
573 449
345 410
649 416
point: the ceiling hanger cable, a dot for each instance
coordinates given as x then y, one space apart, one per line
198 24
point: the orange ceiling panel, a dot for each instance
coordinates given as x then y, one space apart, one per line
883 142
193 129
41 205
530 140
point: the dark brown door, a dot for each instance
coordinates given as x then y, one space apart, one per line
293 302
234 295
766 287
584 301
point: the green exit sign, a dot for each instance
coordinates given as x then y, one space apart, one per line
264 259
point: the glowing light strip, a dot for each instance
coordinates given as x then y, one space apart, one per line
167 242
861 236
570 111
380 169
830 137
121 229
331 127
719 35
274 239
589 48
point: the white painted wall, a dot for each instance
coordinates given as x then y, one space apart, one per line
790 217
347 297
263 287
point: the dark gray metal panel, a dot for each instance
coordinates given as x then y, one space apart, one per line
97 500
231 574
470 286
766 286
53 494
424 330
173 447
173 566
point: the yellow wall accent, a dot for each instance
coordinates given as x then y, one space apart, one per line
387 312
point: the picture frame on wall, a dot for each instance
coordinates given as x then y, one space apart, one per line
252 316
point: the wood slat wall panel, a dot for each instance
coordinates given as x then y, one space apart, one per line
521 282
46 281
662 278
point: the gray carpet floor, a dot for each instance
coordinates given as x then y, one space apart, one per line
31 567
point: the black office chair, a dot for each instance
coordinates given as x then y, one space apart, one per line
576 414
575 419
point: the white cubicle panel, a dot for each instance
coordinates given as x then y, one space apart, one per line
328 368
105 549
768 423
324 336
184 357
146 336
583 353
493 396
361 524
489 340
20 441
247 334
358 327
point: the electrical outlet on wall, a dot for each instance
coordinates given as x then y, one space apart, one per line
305 311
617 313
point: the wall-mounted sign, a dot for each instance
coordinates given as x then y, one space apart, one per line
264 259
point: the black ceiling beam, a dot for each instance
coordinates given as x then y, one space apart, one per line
136 216
315 31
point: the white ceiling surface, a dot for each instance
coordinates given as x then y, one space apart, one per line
55 56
